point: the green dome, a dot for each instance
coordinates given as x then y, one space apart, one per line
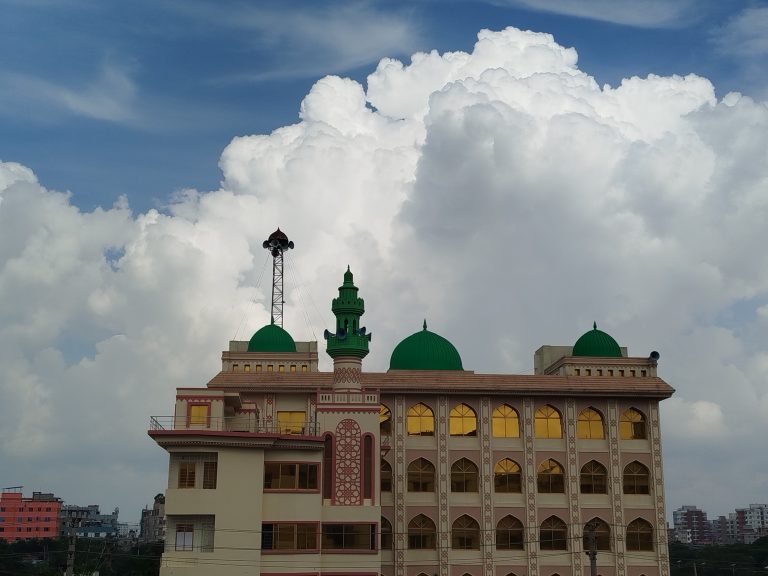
271 338
425 350
597 343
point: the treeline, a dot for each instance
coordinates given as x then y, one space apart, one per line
49 558
720 560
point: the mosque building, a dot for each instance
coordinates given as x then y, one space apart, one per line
426 469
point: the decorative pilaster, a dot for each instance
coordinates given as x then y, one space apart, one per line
658 490
615 486
532 525
400 481
443 475
486 486
573 485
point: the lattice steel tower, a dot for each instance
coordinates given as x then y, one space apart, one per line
277 244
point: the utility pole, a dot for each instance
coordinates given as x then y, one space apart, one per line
592 552
71 550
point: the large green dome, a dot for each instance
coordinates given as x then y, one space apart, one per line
271 338
596 343
425 350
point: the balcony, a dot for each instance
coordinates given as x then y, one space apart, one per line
351 396
233 424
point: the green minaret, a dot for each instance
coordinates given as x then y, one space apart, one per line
350 339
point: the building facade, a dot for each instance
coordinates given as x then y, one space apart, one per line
426 469
152 524
691 526
26 518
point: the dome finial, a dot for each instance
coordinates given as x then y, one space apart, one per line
594 325
425 324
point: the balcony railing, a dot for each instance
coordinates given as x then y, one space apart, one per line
234 424
348 397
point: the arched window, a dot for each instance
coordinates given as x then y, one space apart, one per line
463 476
462 421
421 420
385 421
553 534
386 476
465 534
639 535
602 534
594 478
509 534
548 423
367 466
550 478
386 534
505 422
632 425
506 476
421 533
636 478
590 424
421 476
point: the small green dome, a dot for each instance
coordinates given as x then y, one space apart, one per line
271 338
597 343
425 350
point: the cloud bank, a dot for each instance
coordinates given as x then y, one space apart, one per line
502 194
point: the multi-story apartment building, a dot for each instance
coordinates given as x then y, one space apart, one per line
88 521
426 469
691 526
26 518
152 524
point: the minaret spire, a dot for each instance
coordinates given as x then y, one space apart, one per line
348 345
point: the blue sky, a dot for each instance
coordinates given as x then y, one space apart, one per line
147 148
139 98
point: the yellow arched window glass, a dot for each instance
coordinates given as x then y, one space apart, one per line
507 476
632 425
548 423
463 421
590 424
505 422
421 420
385 420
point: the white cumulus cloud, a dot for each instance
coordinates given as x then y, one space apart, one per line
502 194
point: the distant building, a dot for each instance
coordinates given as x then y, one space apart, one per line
691 526
152 526
749 524
427 468
89 522
26 518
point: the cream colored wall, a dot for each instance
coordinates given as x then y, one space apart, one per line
237 507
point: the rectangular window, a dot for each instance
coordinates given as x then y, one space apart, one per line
291 422
247 368
210 469
349 537
258 367
293 368
187 474
281 368
304 368
284 536
199 414
235 367
288 476
184 534
270 368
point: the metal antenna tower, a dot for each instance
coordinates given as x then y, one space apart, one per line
277 244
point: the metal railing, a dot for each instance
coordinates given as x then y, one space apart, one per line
233 424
